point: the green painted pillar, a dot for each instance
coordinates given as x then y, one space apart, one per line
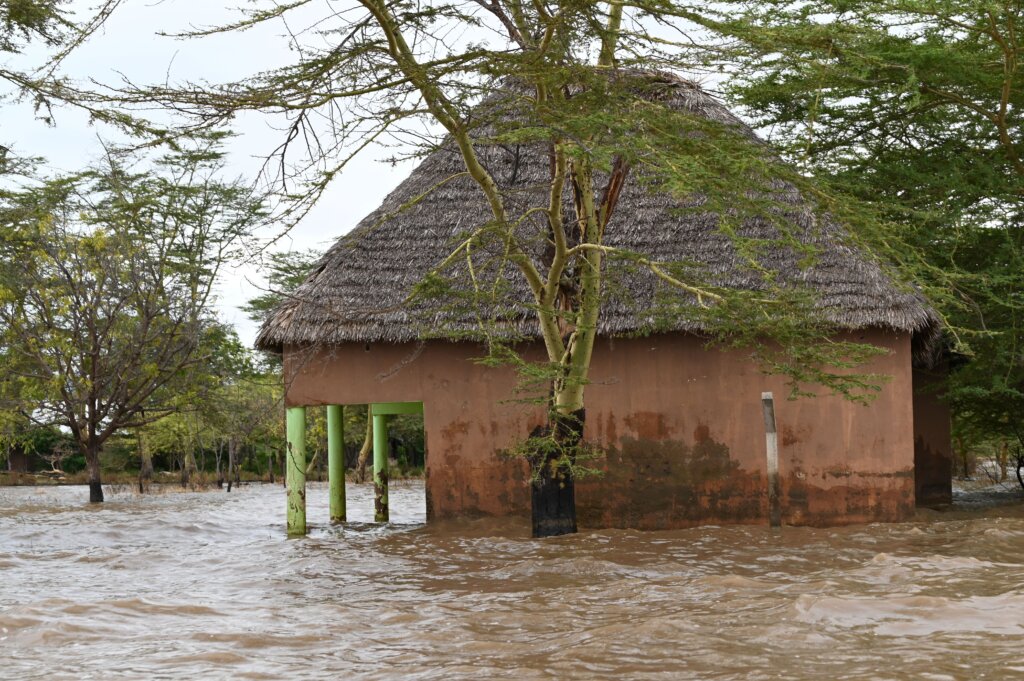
380 468
336 462
295 471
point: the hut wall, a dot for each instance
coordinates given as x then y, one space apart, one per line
933 447
681 428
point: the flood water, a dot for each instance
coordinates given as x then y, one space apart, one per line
204 585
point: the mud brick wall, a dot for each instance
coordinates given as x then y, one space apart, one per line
679 428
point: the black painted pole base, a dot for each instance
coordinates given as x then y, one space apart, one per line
553 494
554 504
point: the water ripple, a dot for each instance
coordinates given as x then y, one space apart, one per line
182 585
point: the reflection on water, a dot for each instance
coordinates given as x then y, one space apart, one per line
183 585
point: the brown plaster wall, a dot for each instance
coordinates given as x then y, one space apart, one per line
933 440
681 428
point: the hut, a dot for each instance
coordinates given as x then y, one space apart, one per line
680 425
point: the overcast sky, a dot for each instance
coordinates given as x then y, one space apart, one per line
129 45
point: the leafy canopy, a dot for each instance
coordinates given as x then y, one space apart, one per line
913 107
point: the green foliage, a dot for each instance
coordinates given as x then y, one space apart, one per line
913 109
23 20
106 279
285 271
35 441
238 409
546 449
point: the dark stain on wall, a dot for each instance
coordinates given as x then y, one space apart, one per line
648 425
867 497
934 474
660 484
933 446
793 436
453 432
701 433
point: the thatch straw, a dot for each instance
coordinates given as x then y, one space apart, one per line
357 291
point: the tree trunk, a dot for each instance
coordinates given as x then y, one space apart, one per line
188 469
962 451
553 493
92 461
314 467
271 462
232 461
145 473
366 449
145 463
238 466
217 461
1003 459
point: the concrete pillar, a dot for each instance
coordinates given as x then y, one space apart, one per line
336 462
380 468
295 471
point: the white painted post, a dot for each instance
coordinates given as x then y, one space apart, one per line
771 437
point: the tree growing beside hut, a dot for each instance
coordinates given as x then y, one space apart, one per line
548 113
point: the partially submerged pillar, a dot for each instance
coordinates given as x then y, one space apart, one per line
295 470
336 462
380 467
380 412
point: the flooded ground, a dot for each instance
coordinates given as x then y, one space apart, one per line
185 586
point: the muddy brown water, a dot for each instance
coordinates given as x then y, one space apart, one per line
204 585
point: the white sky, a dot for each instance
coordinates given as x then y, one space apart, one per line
128 44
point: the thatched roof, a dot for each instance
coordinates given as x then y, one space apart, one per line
357 291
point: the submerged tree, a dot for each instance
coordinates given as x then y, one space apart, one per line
576 80
106 288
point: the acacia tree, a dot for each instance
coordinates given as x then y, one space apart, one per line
57 28
106 289
236 403
415 72
224 406
915 108
285 270
49 22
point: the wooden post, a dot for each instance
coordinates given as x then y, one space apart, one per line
296 471
380 468
772 441
336 462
